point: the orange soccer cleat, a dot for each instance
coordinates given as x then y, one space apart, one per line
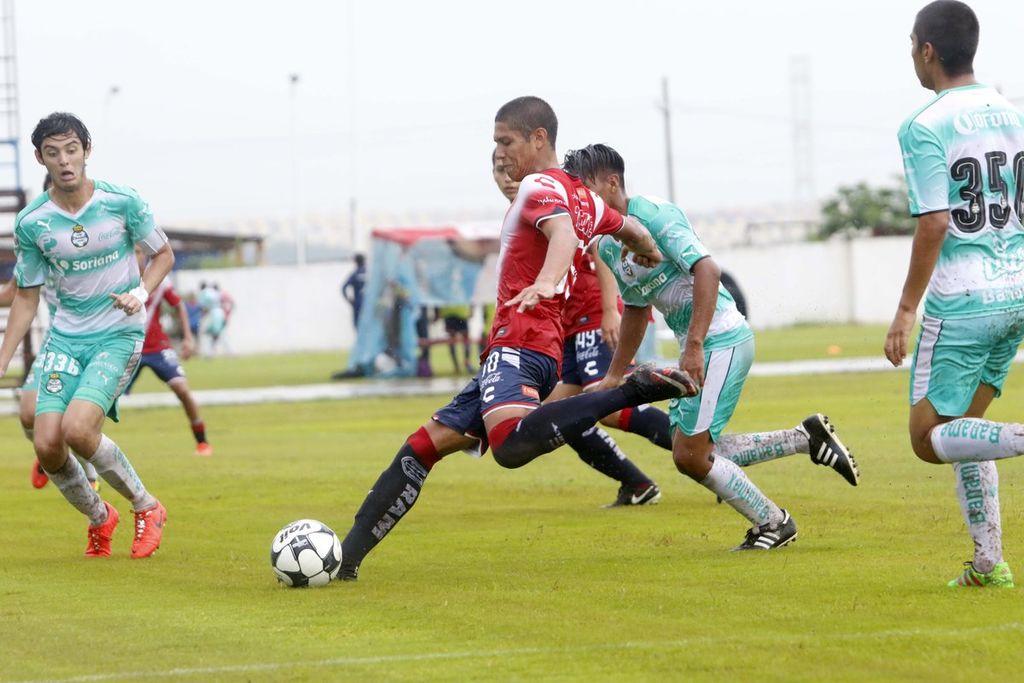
203 448
39 476
149 529
99 536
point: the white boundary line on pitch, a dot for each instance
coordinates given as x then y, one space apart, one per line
412 386
441 656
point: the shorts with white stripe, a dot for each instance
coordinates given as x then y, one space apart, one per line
725 371
94 369
955 355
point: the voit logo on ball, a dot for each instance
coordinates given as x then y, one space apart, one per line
79 237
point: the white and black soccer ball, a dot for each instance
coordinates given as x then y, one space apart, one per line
305 553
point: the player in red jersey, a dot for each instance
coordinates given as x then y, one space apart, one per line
158 354
590 325
552 217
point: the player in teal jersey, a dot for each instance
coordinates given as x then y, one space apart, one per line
717 349
82 233
963 157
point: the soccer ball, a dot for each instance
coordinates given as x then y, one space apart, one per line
305 553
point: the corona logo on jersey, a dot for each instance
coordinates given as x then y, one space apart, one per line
79 237
968 123
53 383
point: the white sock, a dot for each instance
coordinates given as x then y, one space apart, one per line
749 449
70 480
971 439
90 471
731 484
115 469
977 488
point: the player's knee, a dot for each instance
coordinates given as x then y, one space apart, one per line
512 456
27 415
49 446
691 456
77 434
921 442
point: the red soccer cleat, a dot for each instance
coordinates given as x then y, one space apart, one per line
39 476
204 448
99 536
149 529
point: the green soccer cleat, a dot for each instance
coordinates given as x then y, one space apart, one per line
999 577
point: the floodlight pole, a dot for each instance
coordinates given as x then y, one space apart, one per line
297 230
666 113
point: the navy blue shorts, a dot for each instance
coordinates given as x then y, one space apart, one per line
508 378
585 358
164 363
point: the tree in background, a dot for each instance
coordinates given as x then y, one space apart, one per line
878 211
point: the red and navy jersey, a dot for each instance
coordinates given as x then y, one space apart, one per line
583 310
156 339
523 248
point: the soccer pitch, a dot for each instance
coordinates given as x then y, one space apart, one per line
511 575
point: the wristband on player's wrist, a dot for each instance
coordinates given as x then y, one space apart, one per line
140 293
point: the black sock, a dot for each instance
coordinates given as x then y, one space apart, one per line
599 450
392 496
651 423
555 423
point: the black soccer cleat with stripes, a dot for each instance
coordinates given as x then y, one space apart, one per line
828 450
766 537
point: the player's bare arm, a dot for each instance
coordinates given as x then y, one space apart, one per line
636 238
23 310
160 264
562 245
610 317
706 276
631 335
928 238
187 342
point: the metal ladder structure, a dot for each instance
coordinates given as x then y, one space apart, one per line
12 192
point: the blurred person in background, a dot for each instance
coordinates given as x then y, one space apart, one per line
352 288
213 315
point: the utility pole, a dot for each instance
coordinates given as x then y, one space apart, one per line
297 229
666 113
803 141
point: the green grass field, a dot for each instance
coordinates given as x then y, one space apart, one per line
511 575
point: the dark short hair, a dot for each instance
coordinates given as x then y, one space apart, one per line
952 29
60 123
360 259
527 114
594 160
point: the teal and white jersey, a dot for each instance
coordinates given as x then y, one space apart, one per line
88 256
669 286
49 295
964 152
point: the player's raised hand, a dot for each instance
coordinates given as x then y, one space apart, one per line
897 341
532 295
692 362
131 302
187 347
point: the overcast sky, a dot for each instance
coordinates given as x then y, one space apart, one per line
200 122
